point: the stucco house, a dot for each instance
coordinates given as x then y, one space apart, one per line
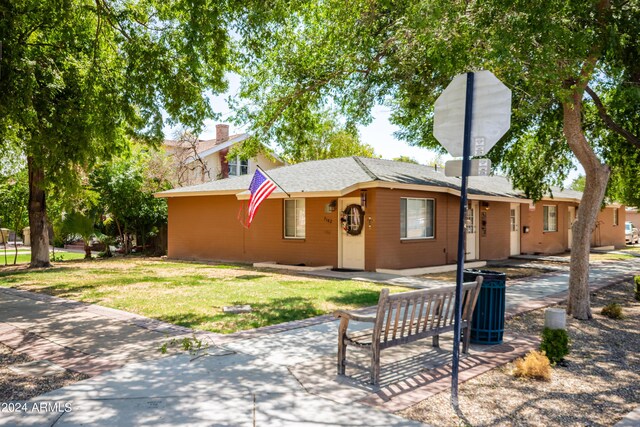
372 214
633 214
208 159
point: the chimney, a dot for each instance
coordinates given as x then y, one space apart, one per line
222 133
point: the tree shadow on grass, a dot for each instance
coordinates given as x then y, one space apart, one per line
250 276
356 297
273 312
21 270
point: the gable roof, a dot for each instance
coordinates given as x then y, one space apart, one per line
337 177
209 147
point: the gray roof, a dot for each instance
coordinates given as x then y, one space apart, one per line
339 174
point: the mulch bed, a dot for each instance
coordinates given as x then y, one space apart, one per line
596 385
15 387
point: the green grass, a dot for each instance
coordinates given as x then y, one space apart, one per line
24 258
609 257
193 295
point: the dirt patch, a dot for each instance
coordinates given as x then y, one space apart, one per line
596 385
20 387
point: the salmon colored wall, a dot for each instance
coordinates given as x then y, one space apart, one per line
393 253
538 241
634 217
496 242
206 227
607 234
371 227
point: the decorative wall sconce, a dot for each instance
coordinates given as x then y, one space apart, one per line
485 205
525 229
331 207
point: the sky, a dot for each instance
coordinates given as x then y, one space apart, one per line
378 134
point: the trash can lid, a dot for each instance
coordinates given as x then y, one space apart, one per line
485 273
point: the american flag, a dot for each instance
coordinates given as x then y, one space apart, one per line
261 187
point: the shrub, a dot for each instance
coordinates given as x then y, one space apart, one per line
636 280
535 365
555 344
612 310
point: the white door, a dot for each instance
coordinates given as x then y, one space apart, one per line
570 220
472 231
514 224
350 247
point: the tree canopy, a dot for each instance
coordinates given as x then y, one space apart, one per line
126 186
572 67
324 138
79 78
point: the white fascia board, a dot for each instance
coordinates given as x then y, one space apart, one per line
170 194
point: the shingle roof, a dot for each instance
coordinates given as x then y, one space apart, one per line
339 174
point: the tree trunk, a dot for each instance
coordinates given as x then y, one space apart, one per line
38 217
87 250
597 178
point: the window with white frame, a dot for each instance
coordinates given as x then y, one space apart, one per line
417 218
237 166
615 216
550 214
294 218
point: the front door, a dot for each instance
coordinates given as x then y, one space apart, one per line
472 231
351 234
514 224
571 219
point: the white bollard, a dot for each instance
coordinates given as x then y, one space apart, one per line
555 318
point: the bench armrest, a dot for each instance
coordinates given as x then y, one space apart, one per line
353 316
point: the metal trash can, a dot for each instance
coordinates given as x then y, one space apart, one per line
488 316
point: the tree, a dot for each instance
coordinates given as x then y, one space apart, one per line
578 183
573 67
186 161
126 187
78 77
406 159
13 204
324 138
80 224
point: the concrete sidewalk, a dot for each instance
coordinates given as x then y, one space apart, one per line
281 375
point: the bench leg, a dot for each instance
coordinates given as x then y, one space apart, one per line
375 364
436 341
466 340
342 347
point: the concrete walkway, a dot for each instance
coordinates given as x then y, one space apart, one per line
280 375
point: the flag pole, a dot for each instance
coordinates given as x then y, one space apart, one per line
272 180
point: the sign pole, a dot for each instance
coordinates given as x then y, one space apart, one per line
462 234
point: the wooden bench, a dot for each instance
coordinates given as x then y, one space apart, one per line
406 317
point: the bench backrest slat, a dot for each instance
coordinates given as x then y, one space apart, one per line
429 308
420 312
413 316
420 315
387 309
398 310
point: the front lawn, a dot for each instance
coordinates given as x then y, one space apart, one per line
25 257
193 295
